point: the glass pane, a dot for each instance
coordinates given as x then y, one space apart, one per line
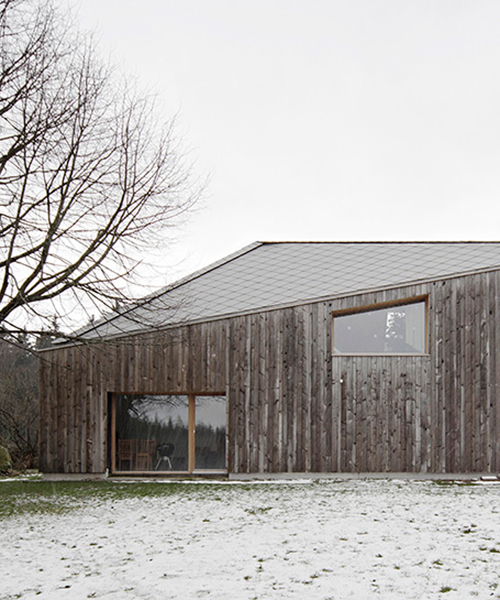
397 330
210 419
151 433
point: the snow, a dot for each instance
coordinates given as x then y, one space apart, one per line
320 540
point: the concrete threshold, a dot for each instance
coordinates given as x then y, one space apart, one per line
272 476
358 476
74 476
175 475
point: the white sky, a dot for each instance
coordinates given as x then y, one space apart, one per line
322 119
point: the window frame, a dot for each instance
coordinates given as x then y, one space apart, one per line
424 298
192 470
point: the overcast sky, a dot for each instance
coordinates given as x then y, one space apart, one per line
322 119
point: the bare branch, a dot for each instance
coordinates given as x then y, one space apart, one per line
89 178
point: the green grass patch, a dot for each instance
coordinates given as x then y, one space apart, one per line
48 497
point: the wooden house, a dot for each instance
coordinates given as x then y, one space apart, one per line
364 357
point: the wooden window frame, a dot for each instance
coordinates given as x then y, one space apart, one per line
381 306
191 435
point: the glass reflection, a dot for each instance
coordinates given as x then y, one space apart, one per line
210 420
151 432
395 330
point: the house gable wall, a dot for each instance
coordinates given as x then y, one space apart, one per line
293 407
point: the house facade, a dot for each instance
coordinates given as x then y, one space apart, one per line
290 358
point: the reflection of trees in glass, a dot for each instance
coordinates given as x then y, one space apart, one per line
210 447
210 437
398 329
150 408
144 417
164 419
395 333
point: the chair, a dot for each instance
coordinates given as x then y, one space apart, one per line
125 454
144 457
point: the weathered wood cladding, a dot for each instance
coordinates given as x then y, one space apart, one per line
292 406
75 383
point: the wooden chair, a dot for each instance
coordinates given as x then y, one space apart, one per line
125 454
146 450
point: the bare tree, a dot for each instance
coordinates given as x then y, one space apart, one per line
88 176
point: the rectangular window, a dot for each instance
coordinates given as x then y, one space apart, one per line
389 329
158 433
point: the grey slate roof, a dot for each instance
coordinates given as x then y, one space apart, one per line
272 274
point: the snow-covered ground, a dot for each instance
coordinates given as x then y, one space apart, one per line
279 540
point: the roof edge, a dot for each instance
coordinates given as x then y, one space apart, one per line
208 268
176 284
385 242
261 309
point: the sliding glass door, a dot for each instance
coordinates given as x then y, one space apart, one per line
168 433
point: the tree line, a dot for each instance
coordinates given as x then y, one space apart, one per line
19 399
